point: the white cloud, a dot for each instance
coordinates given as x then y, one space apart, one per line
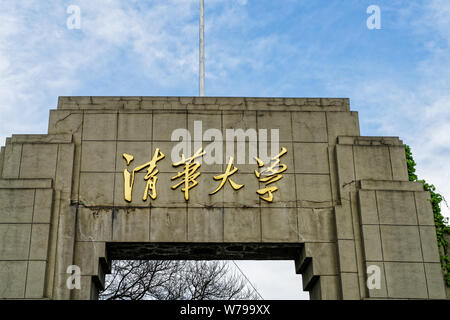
430 136
41 59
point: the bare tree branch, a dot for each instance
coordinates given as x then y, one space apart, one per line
175 280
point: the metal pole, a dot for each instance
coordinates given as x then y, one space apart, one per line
202 49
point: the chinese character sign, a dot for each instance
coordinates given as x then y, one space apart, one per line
150 177
189 174
187 177
269 175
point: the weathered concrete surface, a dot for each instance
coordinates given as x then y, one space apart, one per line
344 204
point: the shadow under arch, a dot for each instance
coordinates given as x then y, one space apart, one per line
208 251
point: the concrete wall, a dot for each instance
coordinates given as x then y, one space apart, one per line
344 200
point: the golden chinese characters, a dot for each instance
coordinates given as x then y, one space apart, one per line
150 177
226 177
270 175
189 174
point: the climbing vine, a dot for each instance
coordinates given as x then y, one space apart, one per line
442 227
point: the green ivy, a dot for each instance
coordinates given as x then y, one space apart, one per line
441 223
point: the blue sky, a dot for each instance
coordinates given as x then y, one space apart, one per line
398 77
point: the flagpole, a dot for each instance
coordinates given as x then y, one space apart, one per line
202 49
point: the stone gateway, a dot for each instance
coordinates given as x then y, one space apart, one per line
102 185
